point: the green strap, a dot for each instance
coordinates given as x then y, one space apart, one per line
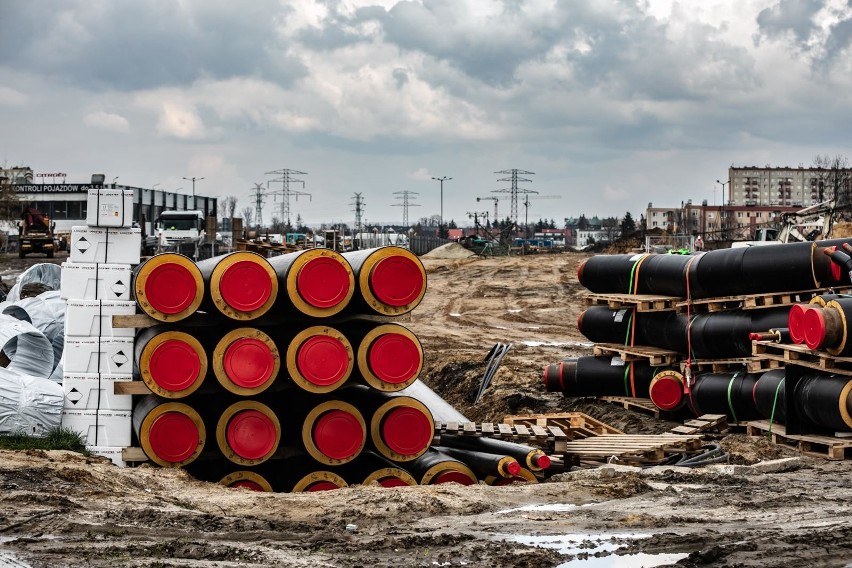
632 272
626 382
774 402
730 405
629 321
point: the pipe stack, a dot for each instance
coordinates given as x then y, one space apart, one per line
266 374
821 324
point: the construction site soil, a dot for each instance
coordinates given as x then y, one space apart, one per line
65 509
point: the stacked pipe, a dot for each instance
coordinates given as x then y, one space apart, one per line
714 335
268 374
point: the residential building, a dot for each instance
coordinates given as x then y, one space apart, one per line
784 186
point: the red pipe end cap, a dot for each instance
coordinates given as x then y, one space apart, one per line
796 322
322 486
173 437
392 482
814 329
513 468
247 484
323 282
396 281
174 365
542 461
452 476
245 286
338 435
251 434
170 288
394 358
666 393
323 360
580 271
407 430
248 362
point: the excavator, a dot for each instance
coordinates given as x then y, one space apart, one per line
36 233
812 223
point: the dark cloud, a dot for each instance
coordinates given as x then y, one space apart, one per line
142 45
790 17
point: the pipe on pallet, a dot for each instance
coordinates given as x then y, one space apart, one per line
661 274
248 432
769 396
725 393
240 285
779 335
825 400
319 283
390 281
828 328
435 467
168 287
172 434
523 476
246 361
667 390
173 364
319 359
531 458
485 464
600 376
389 357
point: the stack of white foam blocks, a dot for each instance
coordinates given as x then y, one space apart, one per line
96 286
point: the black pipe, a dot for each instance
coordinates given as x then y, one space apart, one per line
531 458
168 287
172 434
598 376
240 285
370 467
316 283
389 281
825 400
769 397
485 464
725 393
435 467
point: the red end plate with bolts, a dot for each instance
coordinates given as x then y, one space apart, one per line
173 437
170 288
245 286
396 281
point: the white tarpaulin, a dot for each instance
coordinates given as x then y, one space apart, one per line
29 405
45 273
47 314
28 350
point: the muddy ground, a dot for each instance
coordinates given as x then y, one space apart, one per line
63 509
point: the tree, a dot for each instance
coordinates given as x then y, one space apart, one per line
10 207
248 216
232 205
628 225
610 227
583 223
834 178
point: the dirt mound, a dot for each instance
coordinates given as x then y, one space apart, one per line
449 250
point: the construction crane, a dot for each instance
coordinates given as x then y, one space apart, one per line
495 200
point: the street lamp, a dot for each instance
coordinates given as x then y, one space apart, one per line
722 210
113 180
441 179
192 179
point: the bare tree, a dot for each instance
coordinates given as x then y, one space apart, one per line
834 179
248 216
232 205
9 201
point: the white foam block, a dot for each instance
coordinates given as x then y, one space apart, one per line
109 208
106 355
100 427
93 318
93 391
113 453
105 245
85 281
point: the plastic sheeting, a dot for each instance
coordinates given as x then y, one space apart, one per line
29 405
47 314
46 273
28 350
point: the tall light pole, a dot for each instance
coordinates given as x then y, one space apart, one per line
441 179
722 210
192 179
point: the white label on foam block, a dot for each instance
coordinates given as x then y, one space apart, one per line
99 427
95 281
109 208
113 453
104 245
93 391
93 318
106 355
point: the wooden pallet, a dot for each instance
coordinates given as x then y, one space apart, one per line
826 447
574 424
754 301
704 424
638 404
551 436
640 302
752 364
654 355
630 448
801 355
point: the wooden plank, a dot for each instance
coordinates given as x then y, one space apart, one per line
487 429
505 430
538 431
522 430
469 428
133 454
130 387
138 321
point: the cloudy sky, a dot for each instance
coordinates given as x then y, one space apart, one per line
612 103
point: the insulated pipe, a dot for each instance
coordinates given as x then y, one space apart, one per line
725 393
435 467
240 285
441 410
390 281
825 400
485 464
531 458
171 434
319 359
401 427
246 361
796 321
168 287
769 396
333 432
319 283
244 479
369 468
599 376
389 356
319 481
828 328
248 432
523 476
662 274
217 469
780 335
667 390
173 364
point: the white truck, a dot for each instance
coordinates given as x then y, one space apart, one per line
175 227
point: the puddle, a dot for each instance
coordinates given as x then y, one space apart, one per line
514 311
590 545
8 558
454 315
546 508
556 343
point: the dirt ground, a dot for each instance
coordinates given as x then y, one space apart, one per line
63 509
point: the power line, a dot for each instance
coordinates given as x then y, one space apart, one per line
259 197
406 197
514 190
286 192
359 211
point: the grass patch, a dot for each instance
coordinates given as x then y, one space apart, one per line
56 439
